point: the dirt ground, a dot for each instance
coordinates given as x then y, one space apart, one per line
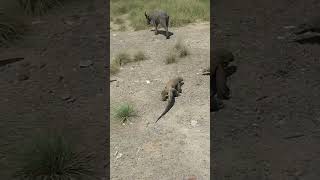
275 93
178 145
49 90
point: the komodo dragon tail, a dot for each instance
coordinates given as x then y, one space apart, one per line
171 101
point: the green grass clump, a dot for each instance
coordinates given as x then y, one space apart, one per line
181 12
38 7
52 158
10 29
124 111
139 56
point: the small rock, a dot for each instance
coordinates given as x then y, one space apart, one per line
42 65
99 95
66 97
51 92
37 22
255 125
25 64
289 27
85 63
71 100
70 23
119 155
190 177
148 82
114 34
60 78
194 123
23 77
280 123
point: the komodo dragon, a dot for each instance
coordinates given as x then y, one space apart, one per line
219 72
172 90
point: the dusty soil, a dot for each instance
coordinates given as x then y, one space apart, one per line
275 93
177 145
48 90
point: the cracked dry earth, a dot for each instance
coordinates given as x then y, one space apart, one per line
178 145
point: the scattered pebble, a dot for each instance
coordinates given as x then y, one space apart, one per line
280 123
114 34
71 100
190 177
289 27
37 22
119 155
23 77
60 78
85 63
66 97
25 64
148 82
70 23
255 125
194 123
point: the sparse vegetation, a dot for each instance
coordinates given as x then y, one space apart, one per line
122 27
183 52
178 44
171 58
124 111
122 58
114 67
139 56
10 29
181 11
38 7
119 21
52 157
181 48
